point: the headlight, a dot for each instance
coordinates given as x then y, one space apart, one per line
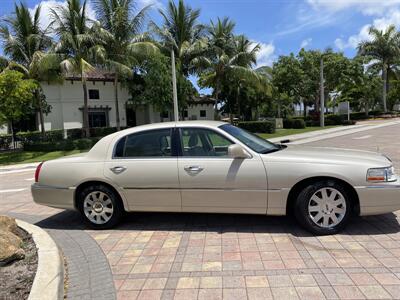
381 175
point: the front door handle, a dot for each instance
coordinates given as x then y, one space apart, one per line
118 169
193 169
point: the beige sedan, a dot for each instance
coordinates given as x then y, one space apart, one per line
215 167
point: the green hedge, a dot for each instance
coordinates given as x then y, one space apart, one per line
294 123
31 137
78 133
258 126
63 145
5 141
36 136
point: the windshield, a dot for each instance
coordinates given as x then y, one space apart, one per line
252 141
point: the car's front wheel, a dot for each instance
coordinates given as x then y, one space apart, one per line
323 207
100 206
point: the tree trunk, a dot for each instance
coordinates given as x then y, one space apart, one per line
40 110
366 108
116 102
237 101
85 109
12 134
216 101
384 91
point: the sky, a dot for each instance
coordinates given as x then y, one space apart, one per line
279 26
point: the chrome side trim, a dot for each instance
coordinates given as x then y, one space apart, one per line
51 187
378 187
191 189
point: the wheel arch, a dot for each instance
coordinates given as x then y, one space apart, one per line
295 190
88 183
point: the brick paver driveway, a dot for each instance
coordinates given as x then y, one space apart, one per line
205 256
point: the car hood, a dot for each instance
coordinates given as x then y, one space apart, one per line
295 153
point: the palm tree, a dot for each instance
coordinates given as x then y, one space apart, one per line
22 38
119 29
184 35
77 47
383 47
229 57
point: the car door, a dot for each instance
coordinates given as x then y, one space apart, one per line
211 181
144 164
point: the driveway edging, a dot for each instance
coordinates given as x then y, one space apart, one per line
49 278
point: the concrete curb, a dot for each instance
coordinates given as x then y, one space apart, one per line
49 278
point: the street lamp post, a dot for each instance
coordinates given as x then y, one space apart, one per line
174 91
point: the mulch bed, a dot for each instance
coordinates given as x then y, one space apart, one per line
16 278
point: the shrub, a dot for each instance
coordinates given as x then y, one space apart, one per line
63 145
258 126
294 123
83 144
5 141
36 136
78 133
348 122
74 133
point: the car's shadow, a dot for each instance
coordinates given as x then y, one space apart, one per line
220 223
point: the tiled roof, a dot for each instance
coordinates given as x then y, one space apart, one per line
95 75
201 100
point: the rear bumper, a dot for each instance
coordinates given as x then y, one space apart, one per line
379 199
57 197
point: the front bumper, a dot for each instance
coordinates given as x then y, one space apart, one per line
380 198
58 197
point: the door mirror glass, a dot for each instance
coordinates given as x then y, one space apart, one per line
237 151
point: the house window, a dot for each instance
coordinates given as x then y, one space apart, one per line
97 119
94 94
203 114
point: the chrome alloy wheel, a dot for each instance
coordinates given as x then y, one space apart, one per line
327 207
98 207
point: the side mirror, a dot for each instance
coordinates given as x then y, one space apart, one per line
237 151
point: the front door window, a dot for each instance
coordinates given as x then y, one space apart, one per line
200 142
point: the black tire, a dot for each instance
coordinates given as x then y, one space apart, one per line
116 203
301 210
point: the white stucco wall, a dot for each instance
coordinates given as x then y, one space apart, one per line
194 112
66 100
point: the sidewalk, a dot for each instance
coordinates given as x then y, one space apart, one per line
323 134
18 168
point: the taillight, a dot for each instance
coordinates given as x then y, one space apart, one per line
37 172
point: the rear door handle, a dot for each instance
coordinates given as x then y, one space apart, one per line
118 169
193 169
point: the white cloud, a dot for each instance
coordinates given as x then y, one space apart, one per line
340 44
48 5
155 4
265 56
368 7
381 23
305 43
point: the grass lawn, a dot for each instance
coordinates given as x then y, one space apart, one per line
284 132
9 158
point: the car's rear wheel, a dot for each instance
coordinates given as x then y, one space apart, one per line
323 207
100 206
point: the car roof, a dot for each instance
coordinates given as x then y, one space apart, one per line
172 124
